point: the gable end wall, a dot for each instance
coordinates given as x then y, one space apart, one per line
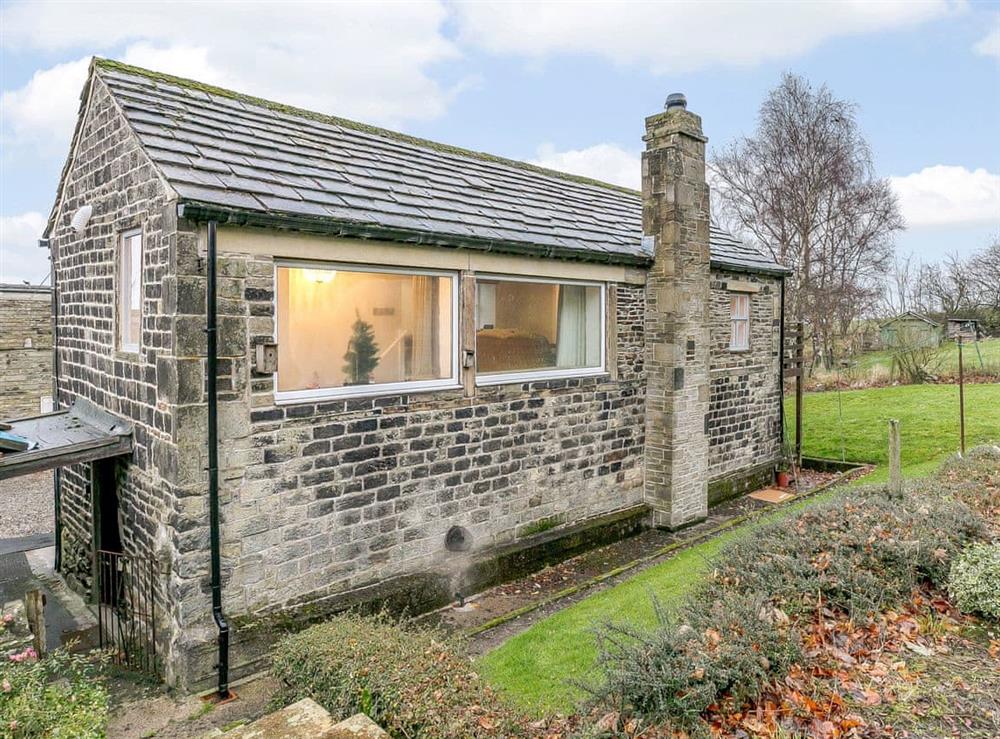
745 397
110 172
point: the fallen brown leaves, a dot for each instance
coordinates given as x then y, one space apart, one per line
847 666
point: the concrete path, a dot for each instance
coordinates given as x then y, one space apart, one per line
27 506
67 618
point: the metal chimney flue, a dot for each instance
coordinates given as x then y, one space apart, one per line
676 100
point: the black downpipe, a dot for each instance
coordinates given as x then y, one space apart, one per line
213 466
781 367
57 477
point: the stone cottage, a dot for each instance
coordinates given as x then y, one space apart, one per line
25 350
434 367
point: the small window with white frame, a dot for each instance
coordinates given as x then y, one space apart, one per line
130 291
533 328
347 330
739 319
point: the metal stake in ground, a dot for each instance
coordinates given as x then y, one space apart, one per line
895 471
961 395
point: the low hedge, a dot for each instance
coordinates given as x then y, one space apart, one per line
410 681
974 480
974 580
61 695
859 554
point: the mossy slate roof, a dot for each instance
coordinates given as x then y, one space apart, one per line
231 151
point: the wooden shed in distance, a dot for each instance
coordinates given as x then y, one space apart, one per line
910 329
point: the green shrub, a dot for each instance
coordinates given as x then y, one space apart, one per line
727 646
858 554
62 695
974 580
410 681
973 479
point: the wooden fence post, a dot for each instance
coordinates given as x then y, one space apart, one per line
34 609
895 471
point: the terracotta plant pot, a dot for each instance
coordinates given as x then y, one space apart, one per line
783 479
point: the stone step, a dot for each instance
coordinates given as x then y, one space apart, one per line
306 719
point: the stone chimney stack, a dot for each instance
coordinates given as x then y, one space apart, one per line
675 217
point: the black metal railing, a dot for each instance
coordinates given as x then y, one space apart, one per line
126 610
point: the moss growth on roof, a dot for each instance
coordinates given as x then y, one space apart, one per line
113 65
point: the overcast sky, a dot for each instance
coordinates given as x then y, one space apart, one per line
561 84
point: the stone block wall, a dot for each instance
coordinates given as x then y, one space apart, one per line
328 496
745 401
110 172
675 217
25 349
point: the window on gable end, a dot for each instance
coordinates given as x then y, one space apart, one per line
130 291
739 321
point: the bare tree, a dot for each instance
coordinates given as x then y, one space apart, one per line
803 185
985 275
964 287
899 294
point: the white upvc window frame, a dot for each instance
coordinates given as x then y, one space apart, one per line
509 378
123 298
734 319
286 397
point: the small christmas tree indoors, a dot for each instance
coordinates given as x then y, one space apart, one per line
362 354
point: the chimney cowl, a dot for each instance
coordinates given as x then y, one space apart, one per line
676 100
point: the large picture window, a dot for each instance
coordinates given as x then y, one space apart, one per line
130 291
346 330
535 328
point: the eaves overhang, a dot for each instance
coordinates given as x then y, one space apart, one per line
228 216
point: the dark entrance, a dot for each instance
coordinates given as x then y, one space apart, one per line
107 534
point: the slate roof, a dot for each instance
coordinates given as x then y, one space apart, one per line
236 153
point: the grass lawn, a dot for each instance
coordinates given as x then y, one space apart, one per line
536 667
928 417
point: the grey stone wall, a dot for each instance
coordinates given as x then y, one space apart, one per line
323 497
25 349
744 407
109 171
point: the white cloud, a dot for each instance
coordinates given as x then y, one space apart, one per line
945 195
357 60
989 45
605 162
679 36
44 111
20 256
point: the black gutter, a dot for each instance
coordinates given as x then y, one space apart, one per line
211 371
331 227
777 271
